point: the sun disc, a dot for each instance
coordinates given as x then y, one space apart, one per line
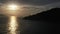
12 7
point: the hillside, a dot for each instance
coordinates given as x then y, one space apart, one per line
49 15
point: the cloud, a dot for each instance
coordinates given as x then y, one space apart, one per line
31 7
37 2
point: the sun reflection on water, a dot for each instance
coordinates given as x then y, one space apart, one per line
13 25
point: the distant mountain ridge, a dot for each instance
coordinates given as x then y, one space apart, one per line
49 15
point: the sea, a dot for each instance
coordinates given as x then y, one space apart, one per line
15 25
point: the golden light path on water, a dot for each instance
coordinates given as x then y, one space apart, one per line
13 25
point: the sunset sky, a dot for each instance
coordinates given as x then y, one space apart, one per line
30 7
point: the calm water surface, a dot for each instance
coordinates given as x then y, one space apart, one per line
14 25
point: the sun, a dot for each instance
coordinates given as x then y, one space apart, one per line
12 7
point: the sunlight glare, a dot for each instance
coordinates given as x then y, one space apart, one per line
13 25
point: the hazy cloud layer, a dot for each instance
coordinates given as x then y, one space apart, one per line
38 2
32 2
31 7
37 9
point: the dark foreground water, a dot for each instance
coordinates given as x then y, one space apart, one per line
13 25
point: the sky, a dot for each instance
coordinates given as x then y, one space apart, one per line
31 7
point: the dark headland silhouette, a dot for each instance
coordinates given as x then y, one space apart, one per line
45 22
52 15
